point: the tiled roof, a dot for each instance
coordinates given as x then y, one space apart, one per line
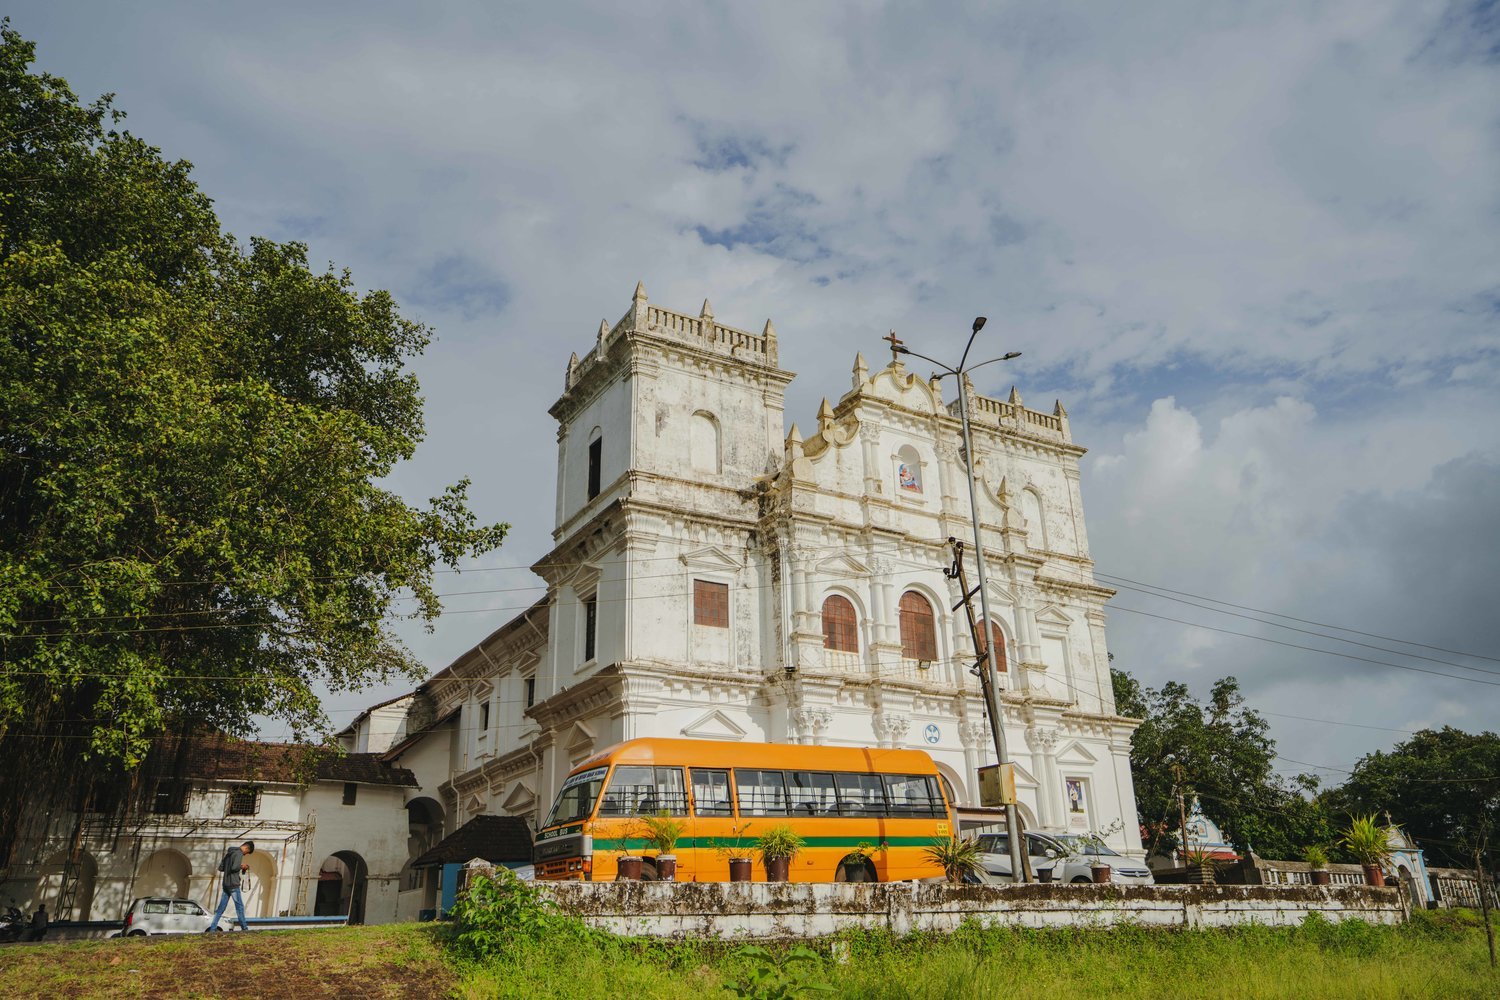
224 758
500 839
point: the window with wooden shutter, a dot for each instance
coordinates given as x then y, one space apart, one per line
710 604
918 632
998 638
840 629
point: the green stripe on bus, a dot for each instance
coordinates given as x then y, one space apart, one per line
713 843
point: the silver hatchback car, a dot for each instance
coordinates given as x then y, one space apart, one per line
165 915
1067 855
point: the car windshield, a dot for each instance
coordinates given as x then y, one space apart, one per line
1078 844
576 800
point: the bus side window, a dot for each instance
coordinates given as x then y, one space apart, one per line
811 793
711 793
859 794
913 795
761 793
671 793
631 791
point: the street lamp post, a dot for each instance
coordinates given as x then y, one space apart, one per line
992 689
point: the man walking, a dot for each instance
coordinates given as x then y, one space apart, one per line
233 866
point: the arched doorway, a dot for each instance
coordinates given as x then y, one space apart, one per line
49 887
342 879
164 873
424 829
260 887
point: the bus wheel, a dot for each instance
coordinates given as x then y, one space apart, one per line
648 872
855 869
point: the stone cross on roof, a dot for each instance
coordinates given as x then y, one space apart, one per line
896 345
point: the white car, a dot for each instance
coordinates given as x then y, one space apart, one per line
165 915
1067 855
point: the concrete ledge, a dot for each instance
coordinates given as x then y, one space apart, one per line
758 910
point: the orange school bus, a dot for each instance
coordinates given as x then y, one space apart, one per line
890 802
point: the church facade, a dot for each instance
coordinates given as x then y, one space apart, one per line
716 577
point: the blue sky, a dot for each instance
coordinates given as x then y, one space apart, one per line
1253 248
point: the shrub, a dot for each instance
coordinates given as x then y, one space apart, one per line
1316 857
956 856
662 831
1367 840
498 910
779 842
772 978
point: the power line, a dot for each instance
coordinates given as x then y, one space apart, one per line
1303 621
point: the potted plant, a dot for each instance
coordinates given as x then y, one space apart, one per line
777 847
1317 863
628 866
1093 845
860 863
663 831
1047 874
1200 866
1369 842
736 853
956 856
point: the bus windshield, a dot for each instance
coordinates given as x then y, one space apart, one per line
576 800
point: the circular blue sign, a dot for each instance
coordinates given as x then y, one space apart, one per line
932 734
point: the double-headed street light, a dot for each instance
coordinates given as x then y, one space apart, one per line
992 689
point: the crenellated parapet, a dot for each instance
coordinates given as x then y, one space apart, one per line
1011 415
701 332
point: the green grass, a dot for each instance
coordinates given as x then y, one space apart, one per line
1437 955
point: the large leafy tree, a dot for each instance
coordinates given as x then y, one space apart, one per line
1221 751
193 434
1442 786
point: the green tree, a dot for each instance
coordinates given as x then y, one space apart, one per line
1222 752
192 437
1442 786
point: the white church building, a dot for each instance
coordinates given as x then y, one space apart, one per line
714 576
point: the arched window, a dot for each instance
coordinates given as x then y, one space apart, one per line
704 442
998 637
840 627
1036 524
918 632
596 461
908 470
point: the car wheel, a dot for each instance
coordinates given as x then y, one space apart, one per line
649 873
1080 880
136 934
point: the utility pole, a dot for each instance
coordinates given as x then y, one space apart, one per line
997 724
1181 813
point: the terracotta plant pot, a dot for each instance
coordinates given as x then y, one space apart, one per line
630 869
740 870
778 869
1200 874
1044 875
666 867
1373 874
1100 873
1320 876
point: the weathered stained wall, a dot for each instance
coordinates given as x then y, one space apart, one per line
758 910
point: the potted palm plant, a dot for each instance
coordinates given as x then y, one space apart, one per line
1369 842
956 856
1200 867
777 847
628 866
735 851
663 831
1317 863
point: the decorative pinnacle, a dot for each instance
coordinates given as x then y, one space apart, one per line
1015 397
708 310
825 413
769 332
603 328
1058 411
640 291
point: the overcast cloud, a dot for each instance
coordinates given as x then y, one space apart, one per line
1253 248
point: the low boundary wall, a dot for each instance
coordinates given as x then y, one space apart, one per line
757 910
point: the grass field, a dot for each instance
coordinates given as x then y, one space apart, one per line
1438 955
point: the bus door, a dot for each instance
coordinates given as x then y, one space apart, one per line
711 825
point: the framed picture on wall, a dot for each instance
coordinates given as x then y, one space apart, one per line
1078 803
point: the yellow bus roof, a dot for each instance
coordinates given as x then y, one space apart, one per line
772 756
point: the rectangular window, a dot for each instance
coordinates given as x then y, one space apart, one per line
187 908
484 716
637 790
590 627
811 793
351 792
155 906
913 795
244 800
170 798
710 604
530 691
761 793
860 794
711 793
596 455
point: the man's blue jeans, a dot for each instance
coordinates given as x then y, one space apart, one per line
239 908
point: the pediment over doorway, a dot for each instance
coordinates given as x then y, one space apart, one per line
714 726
